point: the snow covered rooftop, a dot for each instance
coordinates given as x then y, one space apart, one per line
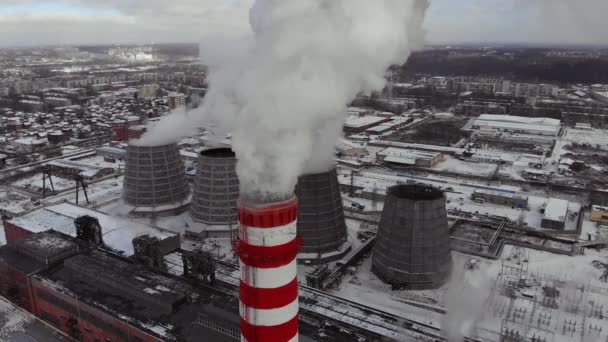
363 121
520 120
117 233
556 210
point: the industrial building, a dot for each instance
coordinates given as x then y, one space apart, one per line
111 153
501 198
92 295
117 234
555 215
599 214
216 189
412 250
155 180
393 155
73 168
359 124
176 100
321 222
516 125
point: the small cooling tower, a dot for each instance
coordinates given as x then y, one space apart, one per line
412 249
155 180
216 188
321 222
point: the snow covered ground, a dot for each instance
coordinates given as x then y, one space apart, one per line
451 164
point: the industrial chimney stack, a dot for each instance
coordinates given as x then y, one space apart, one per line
267 249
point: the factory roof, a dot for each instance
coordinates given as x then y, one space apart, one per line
111 150
516 126
117 233
408 154
501 194
556 210
86 170
44 245
134 293
363 121
520 119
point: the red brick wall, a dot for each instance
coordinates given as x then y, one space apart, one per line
104 325
10 278
13 232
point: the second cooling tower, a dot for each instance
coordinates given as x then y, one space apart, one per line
216 188
321 222
155 180
412 249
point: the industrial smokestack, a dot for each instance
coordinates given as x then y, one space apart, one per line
267 249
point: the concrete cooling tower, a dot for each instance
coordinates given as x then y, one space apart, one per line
216 188
155 181
321 222
412 249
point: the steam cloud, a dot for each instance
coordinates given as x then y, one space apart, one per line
168 130
284 96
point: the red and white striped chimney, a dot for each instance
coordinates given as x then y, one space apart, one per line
267 248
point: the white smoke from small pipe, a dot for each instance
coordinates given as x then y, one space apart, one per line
284 94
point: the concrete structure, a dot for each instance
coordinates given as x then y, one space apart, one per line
111 153
401 156
412 249
72 168
502 198
321 222
599 214
216 188
92 295
155 180
358 124
176 100
516 125
556 212
117 234
267 249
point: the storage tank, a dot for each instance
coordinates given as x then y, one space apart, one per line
321 223
412 249
216 188
155 180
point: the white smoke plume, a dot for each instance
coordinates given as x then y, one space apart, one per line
168 130
465 300
283 93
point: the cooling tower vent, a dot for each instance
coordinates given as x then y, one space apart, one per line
321 222
155 180
216 188
412 249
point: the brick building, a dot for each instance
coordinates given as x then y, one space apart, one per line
93 295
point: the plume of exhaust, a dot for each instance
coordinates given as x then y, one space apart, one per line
168 130
465 300
283 92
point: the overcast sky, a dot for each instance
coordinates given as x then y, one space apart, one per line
36 22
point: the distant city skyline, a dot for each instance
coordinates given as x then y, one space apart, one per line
66 22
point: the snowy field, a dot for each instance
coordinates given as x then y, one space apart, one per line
451 164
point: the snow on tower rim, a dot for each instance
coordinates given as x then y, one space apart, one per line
415 192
